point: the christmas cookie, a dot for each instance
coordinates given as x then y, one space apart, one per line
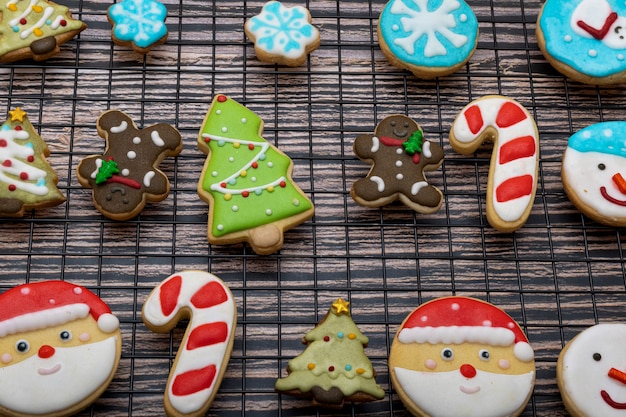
26 180
512 181
201 361
246 181
59 349
591 372
430 38
126 176
333 369
35 29
138 23
594 172
399 155
282 35
458 356
585 39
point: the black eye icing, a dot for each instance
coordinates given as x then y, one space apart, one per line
601 167
406 124
65 336
447 354
484 354
22 346
597 357
393 123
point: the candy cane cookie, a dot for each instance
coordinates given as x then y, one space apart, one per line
203 355
512 181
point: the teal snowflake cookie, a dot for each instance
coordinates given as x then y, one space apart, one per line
282 35
138 23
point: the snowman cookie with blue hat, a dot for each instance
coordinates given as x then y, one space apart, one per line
585 39
594 172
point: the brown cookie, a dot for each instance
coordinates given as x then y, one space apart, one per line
127 174
399 156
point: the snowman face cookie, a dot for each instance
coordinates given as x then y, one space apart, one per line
56 357
594 172
591 372
585 39
458 356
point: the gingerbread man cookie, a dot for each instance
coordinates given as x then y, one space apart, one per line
399 156
126 176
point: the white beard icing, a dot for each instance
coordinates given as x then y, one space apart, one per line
439 393
83 369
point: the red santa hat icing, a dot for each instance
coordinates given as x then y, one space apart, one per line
457 320
51 303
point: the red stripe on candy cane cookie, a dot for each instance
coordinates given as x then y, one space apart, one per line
523 147
514 188
205 350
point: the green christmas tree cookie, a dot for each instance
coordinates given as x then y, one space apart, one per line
333 369
247 181
26 179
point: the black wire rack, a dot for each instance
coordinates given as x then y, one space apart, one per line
557 275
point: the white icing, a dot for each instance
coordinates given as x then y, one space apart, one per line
415 188
120 128
494 336
450 394
583 378
595 13
83 369
43 318
131 155
379 182
399 177
136 140
98 166
187 360
126 172
375 144
156 138
147 179
426 149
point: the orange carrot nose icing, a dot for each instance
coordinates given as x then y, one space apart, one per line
617 375
620 182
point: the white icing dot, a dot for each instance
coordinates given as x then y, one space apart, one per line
244 120
607 132
253 179
214 173
231 159
25 291
218 112
487 323
567 38
296 202
399 151
131 155
455 306
395 27
424 318
77 290
224 129
398 163
399 176
270 164
586 135
136 140
593 53
125 172
220 227
620 57
463 18
510 325
235 208
52 301
268 212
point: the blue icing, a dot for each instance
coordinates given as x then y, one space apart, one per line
586 55
139 21
443 34
606 137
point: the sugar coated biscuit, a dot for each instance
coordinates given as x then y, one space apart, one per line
247 181
585 39
35 29
594 172
282 35
459 356
430 38
201 361
126 175
333 369
138 23
399 155
60 346
26 180
591 374
512 181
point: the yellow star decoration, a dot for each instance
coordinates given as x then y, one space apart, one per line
17 115
341 306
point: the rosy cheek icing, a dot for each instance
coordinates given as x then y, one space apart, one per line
504 364
430 364
6 358
84 337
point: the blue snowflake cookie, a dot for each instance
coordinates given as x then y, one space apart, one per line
430 38
585 39
138 23
282 35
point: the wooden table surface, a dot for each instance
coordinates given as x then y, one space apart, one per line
557 275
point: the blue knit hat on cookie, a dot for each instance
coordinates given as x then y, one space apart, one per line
606 137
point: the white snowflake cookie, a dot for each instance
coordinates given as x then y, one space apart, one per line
282 35
430 38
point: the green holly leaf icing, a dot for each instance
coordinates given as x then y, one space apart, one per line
414 143
248 178
106 171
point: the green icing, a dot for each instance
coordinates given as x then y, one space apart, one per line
248 178
15 35
339 352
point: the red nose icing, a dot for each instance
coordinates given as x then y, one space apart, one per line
45 351
468 371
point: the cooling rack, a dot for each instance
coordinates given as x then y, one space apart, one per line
557 275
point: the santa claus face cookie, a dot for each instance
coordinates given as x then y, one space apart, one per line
462 357
594 172
591 372
59 349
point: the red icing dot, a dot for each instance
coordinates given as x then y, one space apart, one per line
223 185
3 143
22 21
331 368
207 139
63 22
245 194
326 338
283 184
221 99
7 163
12 187
251 146
23 175
30 158
18 127
255 165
